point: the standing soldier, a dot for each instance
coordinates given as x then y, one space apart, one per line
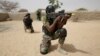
28 23
39 14
53 29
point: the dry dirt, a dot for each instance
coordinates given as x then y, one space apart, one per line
83 39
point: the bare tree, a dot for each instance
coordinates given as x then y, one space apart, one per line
8 6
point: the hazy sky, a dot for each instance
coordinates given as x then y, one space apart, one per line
69 5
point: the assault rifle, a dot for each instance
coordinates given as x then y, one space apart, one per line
53 15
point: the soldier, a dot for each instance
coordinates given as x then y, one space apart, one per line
39 14
28 23
53 29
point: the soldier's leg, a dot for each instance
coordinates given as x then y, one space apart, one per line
39 17
45 45
32 30
62 36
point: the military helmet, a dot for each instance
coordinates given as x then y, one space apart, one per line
50 9
28 14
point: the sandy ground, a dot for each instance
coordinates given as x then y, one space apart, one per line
83 39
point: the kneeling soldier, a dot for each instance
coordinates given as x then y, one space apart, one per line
54 30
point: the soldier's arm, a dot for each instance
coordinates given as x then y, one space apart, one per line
51 28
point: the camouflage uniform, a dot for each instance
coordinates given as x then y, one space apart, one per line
39 14
48 36
28 22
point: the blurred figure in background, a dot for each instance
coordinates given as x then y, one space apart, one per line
28 23
38 14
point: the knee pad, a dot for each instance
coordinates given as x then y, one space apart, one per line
62 32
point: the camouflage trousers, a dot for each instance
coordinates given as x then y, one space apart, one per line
28 28
46 42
